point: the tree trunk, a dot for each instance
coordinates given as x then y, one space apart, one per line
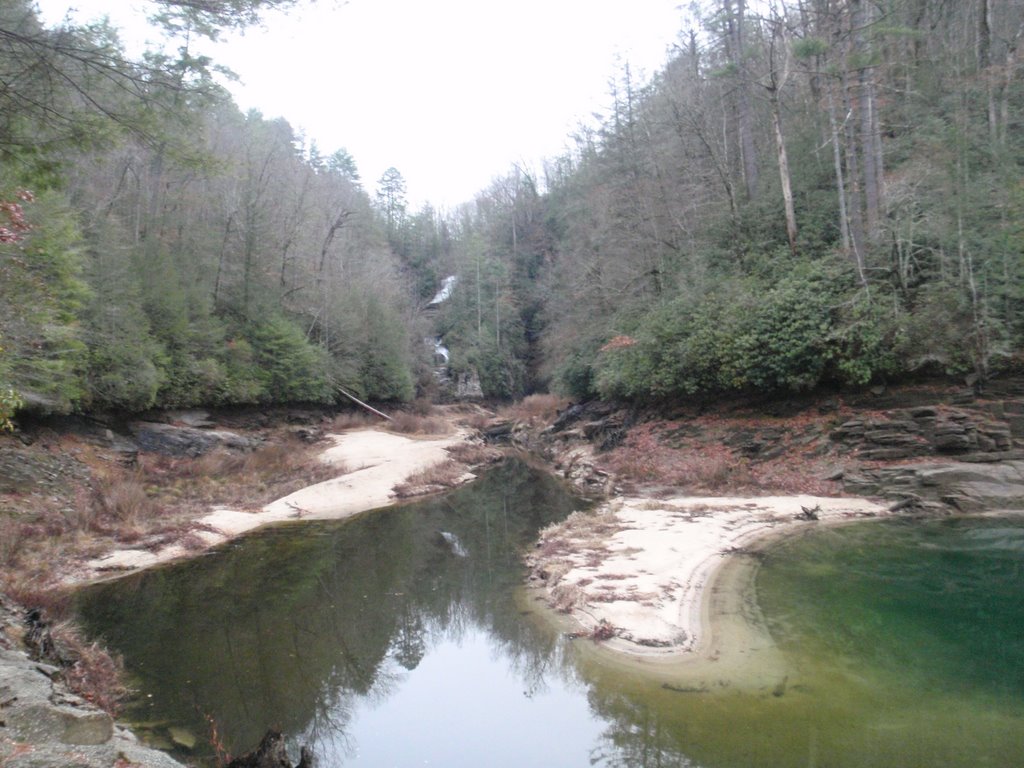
854 197
837 157
984 49
744 112
777 76
787 191
870 144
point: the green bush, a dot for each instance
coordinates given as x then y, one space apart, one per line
753 335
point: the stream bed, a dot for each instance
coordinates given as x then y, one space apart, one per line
403 637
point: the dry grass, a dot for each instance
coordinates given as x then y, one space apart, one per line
353 420
148 504
535 409
700 463
580 539
94 673
120 496
444 475
240 480
474 454
417 424
579 527
565 598
13 536
88 502
87 668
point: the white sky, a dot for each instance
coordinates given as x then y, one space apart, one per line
450 92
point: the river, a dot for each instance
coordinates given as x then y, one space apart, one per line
404 637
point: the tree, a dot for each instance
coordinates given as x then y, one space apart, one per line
778 74
41 298
391 200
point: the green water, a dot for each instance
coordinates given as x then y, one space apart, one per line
381 642
908 639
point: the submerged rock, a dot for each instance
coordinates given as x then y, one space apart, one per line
271 754
453 543
182 738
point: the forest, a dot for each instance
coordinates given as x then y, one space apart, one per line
808 194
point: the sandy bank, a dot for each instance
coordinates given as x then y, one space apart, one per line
371 463
644 571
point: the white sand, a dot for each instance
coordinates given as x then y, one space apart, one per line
374 462
648 576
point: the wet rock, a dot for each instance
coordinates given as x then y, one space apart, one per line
567 417
271 754
927 430
894 434
499 432
889 454
962 503
965 397
306 434
849 430
302 417
67 725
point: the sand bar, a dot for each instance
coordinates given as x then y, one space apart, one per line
373 462
647 569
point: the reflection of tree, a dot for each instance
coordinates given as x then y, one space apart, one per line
409 647
636 736
294 626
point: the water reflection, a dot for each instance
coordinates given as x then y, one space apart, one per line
306 628
402 638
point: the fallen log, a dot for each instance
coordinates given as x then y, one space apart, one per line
360 403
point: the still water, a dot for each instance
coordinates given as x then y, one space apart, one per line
403 638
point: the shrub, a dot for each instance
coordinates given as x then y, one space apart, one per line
768 336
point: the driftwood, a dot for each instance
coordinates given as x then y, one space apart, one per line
360 403
809 513
271 754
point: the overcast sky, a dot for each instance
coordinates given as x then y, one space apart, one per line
450 92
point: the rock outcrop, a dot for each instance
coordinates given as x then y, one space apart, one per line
945 487
992 429
173 440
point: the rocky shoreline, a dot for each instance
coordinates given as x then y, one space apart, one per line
636 574
921 454
44 725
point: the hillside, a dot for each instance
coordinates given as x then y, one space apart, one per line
826 196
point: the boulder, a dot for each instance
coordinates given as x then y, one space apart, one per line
172 440
43 721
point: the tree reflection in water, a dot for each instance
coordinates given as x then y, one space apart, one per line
301 626
378 644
